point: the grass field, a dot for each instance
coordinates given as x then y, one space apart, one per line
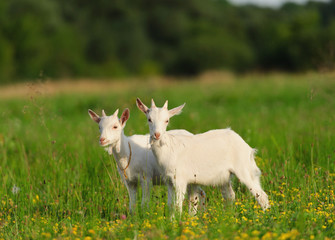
54 177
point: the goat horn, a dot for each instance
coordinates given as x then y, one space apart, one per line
165 104
103 113
153 105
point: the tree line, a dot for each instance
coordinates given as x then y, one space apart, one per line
106 38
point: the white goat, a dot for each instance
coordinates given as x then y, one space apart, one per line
208 158
135 160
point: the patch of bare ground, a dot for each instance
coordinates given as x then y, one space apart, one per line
71 86
95 86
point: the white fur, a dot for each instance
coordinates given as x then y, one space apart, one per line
208 158
143 165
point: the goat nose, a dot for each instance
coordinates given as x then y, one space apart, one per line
102 140
157 135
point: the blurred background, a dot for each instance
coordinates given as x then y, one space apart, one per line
121 38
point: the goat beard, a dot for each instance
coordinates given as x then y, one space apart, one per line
109 148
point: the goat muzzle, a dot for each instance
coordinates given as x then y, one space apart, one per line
102 140
157 136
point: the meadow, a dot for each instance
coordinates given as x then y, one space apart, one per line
56 182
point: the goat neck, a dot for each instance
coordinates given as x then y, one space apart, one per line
162 147
121 151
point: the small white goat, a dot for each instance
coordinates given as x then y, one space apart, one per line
135 160
208 158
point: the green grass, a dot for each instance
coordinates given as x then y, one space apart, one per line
49 150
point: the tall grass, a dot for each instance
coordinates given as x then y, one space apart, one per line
56 182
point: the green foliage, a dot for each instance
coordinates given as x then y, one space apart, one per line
6 60
145 37
57 182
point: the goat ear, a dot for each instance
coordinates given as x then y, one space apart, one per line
176 111
153 105
166 104
124 117
116 112
141 106
95 117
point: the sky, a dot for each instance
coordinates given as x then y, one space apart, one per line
271 3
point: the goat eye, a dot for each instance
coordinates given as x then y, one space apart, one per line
115 127
149 120
167 121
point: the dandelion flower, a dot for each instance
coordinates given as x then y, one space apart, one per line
255 233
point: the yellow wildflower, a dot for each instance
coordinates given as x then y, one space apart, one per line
267 236
255 233
244 236
47 235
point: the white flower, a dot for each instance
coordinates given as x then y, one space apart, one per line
15 189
